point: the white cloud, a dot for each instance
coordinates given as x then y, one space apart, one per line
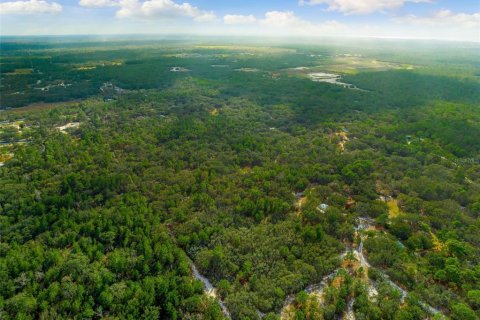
29 7
360 6
285 23
239 19
98 3
205 16
152 9
441 25
445 18
281 19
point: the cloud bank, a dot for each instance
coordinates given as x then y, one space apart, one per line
29 7
236 19
444 18
98 3
360 6
152 9
284 22
175 16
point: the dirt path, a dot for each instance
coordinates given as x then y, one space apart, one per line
364 224
209 289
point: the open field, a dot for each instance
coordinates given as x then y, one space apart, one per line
43 106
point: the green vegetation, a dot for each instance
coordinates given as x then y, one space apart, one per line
106 202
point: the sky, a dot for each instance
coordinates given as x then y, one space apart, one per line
411 19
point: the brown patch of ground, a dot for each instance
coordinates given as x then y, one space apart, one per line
343 140
288 313
5 157
338 281
351 264
300 203
68 126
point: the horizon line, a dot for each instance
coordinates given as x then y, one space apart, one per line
272 37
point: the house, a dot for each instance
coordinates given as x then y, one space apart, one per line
385 198
322 207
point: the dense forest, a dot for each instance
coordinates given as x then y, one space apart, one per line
133 177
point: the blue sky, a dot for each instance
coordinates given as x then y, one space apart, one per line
437 19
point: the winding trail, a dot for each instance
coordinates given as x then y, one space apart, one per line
210 290
317 289
364 223
350 315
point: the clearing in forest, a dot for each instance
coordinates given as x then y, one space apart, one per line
393 209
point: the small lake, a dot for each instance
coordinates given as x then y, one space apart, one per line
330 78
